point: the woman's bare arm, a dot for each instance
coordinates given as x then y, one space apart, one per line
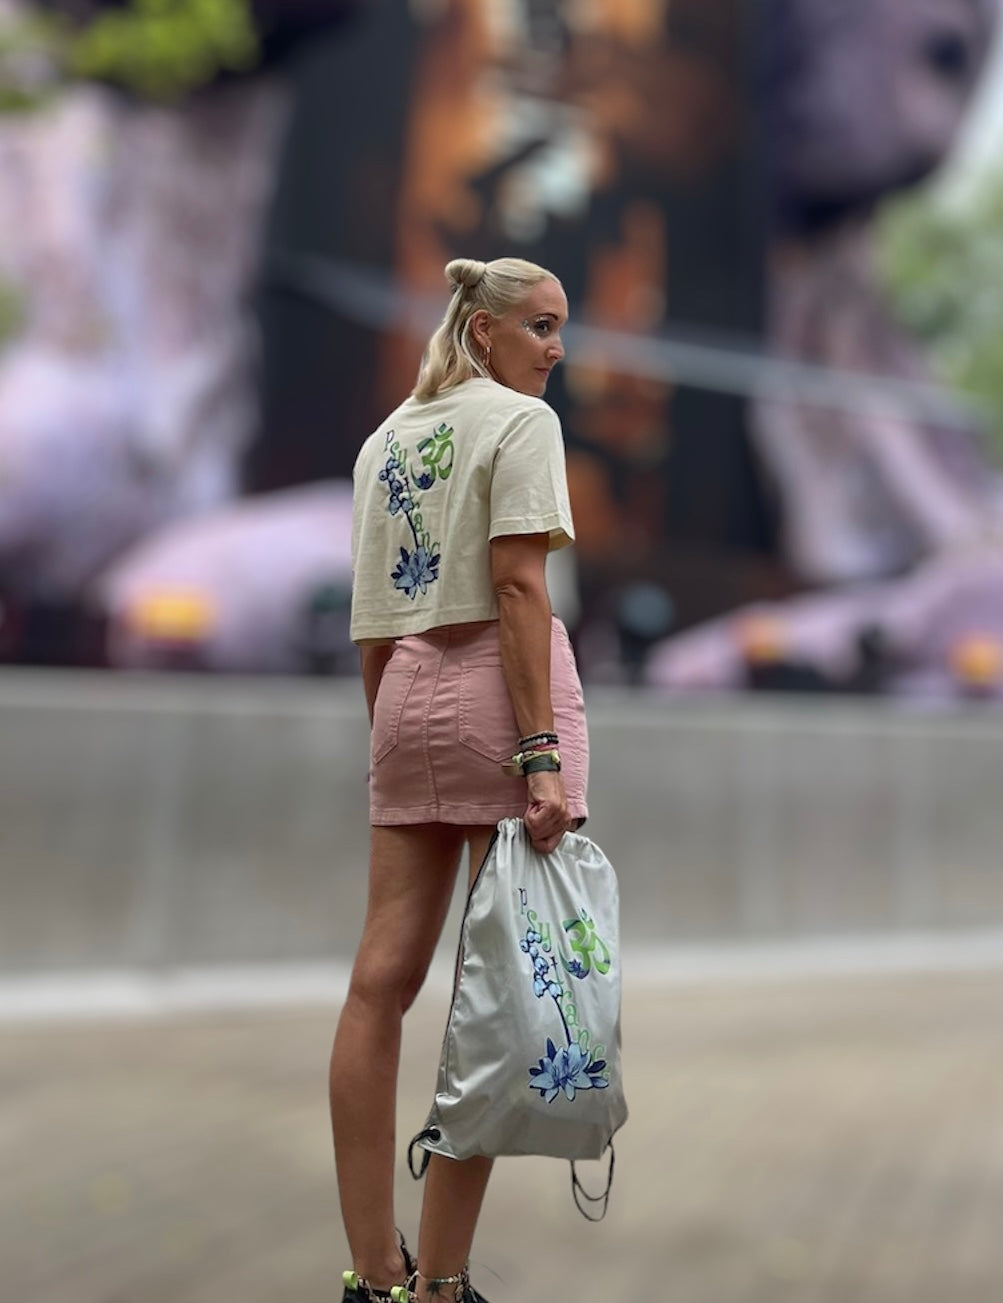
524 616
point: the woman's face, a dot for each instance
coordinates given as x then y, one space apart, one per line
526 342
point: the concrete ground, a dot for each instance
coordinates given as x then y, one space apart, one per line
822 1139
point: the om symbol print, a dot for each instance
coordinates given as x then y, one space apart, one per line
436 454
585 942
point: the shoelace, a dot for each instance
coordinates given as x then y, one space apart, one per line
359 1285
396 1293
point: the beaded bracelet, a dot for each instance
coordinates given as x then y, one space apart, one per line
548 739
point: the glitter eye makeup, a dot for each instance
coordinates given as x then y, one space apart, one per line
539 327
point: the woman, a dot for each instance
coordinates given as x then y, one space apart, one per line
459 496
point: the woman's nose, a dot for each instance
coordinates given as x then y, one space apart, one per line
555 350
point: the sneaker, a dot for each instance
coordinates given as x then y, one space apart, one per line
359 1290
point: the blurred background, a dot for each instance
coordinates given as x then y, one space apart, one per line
778 222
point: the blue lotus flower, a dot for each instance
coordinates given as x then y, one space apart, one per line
566 1070
425 480
416 571
575 968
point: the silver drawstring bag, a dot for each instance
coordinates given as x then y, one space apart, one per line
530 1060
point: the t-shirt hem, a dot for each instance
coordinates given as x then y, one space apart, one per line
386 627
558 527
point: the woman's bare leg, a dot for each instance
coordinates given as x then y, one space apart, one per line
411 877
454 1191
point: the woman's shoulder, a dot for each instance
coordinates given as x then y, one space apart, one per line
398 418
487 396
479 403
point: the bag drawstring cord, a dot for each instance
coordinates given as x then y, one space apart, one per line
429 1133
578 1191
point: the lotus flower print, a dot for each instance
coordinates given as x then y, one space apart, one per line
567 1069
418 567
573 1066
415 571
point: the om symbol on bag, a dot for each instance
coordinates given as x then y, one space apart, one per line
590 951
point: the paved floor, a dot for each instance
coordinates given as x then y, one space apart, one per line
824 1140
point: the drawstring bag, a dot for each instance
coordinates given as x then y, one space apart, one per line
530 1060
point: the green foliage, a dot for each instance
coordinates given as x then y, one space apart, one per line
942 264
161 49
156 49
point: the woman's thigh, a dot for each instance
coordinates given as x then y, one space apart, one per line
412 872
478 839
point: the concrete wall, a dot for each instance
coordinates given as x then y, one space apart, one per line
175 821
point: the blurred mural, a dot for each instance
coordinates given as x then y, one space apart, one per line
890 507
222 262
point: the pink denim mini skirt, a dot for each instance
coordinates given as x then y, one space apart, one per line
443 723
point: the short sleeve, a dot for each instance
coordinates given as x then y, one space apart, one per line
529 483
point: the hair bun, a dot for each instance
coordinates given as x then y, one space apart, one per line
465 272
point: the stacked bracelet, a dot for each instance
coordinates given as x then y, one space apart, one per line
534 754
537 760
537 740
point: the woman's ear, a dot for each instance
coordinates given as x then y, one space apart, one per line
480 328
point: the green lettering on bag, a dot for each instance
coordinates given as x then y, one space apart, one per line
597 1051
585 942
537 925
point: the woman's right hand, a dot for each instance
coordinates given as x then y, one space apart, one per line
546 817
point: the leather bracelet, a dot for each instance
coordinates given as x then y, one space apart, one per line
515 766
547 762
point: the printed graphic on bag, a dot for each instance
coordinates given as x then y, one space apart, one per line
577 1064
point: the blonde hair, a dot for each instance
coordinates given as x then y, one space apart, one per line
496 287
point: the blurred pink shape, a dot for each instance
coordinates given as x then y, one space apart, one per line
925 620
246 571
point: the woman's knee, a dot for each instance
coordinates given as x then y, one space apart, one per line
381 979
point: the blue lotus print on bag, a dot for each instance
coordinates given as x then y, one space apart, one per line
568 1069
418 567
577 1064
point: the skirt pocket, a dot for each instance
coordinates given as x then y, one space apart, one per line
391 699
485 721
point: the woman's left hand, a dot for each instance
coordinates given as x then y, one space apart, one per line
546 817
